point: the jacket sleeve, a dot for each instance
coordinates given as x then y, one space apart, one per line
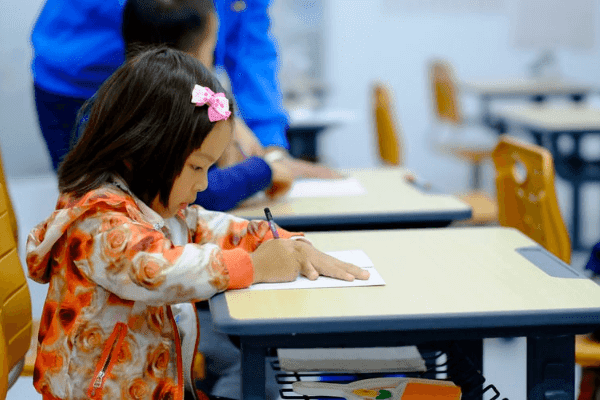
230 232
139 263
247 51
227 187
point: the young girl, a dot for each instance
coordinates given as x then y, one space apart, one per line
126 256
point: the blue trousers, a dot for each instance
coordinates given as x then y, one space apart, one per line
57 116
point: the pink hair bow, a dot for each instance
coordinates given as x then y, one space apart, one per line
218 105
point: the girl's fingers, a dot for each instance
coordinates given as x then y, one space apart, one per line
309 271
334 268
358 272
346 271
316 263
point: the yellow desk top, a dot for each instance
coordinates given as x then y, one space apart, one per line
524 87
465 272
388 197
553 118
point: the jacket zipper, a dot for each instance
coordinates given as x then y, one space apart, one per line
180 385
115 341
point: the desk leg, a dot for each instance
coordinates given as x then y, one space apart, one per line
476 175
575 244
576 187
551 368
465 366
485 110
253 372
303 142
537 138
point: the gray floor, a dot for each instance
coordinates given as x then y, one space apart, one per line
504 360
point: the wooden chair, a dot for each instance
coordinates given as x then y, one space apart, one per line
390 147
474 149
526 195
527 201
15 300
386 127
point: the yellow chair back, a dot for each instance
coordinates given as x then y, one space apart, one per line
15 300
11 211
388 140
4 370
527 197
445 93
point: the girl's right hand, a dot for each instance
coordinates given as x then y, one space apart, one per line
282 260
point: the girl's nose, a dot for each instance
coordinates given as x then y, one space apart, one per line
201 186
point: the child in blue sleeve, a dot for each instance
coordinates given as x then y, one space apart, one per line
191 26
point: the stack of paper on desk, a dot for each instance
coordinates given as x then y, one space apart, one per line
356 257
327 188
370 359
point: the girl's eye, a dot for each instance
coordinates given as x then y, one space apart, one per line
196 168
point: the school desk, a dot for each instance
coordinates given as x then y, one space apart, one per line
548 126
388 201
450 284
307 124
536 90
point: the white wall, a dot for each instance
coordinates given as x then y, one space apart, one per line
23 150
365 42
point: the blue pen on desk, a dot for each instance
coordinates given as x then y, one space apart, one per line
271 224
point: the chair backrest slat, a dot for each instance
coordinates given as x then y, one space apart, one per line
386 126
527 195
444 92
15 299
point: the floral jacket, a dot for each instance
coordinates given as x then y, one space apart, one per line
118 321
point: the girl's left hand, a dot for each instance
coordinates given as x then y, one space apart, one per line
318 263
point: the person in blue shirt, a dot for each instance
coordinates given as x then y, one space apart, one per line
60 95
78 44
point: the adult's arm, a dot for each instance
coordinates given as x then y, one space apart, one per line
247 51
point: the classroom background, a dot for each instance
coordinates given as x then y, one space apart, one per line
357 42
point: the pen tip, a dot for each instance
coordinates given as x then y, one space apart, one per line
268 213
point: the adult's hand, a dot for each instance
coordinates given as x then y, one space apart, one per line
281 180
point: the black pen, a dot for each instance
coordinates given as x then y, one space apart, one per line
271 224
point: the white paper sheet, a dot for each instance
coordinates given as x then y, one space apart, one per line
327 188
356 257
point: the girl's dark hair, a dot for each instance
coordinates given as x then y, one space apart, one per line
179 24
142 116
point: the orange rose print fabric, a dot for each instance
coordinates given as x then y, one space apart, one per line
107 330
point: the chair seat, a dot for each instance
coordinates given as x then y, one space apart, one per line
485 208
587 351
472 155
473 144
